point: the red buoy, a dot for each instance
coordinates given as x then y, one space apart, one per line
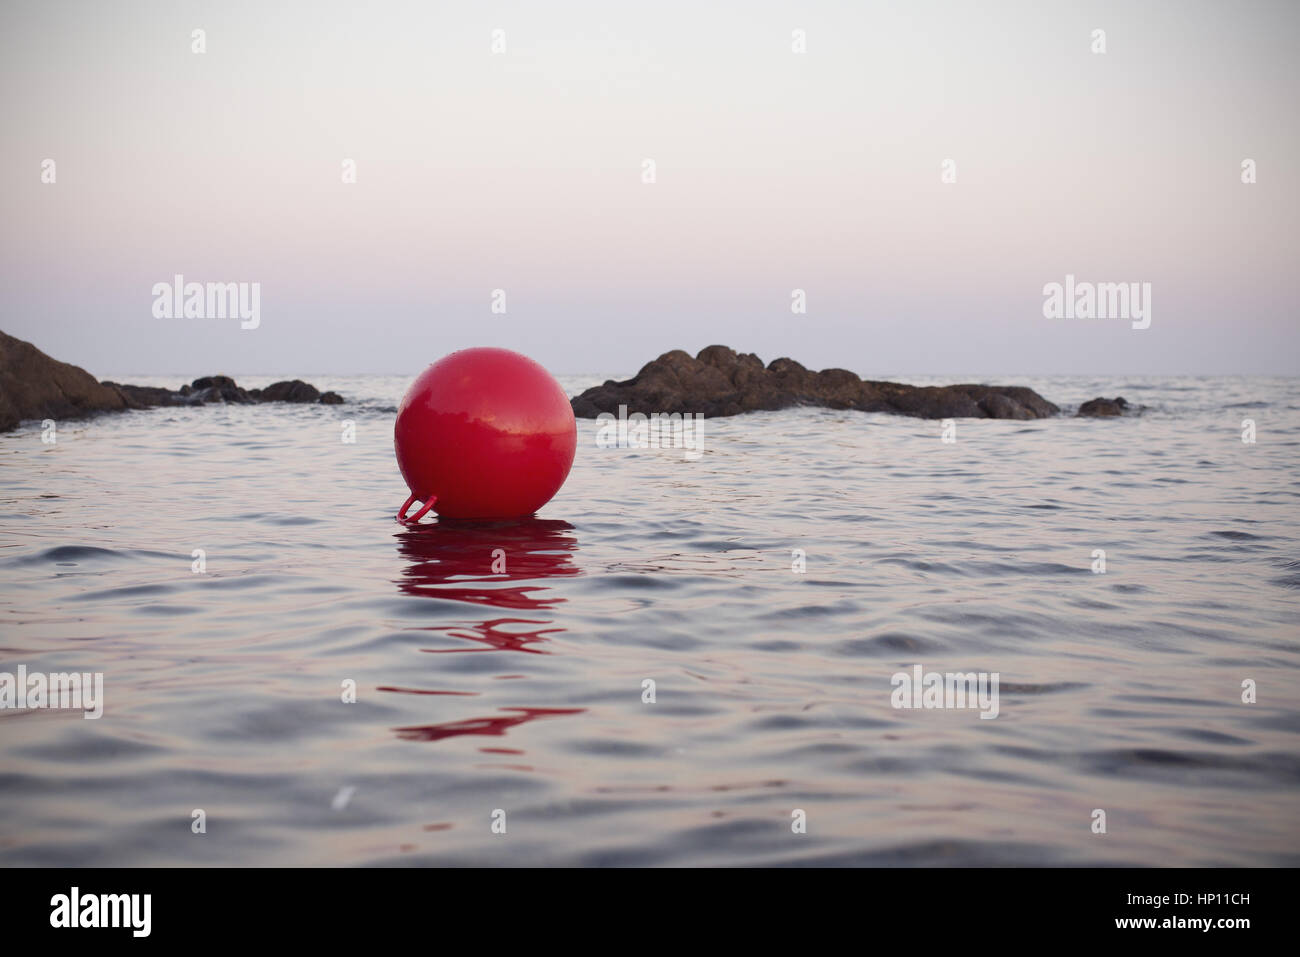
484 434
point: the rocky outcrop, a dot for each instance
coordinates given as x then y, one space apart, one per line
34 386
1100 408
220 388
721 382
295 391
213 388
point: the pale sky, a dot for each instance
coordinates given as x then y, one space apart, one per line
775 171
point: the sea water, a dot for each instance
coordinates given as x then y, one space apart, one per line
681 660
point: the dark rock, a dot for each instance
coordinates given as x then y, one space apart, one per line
223 393
217 388
721 382
999 406
148 396
34 386
295 391
213 382
1100 407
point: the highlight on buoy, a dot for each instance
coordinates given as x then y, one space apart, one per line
483 433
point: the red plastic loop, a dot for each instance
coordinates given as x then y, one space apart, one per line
414 519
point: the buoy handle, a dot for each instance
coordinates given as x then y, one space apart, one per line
414 519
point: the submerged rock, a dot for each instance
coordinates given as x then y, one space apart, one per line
147 396
1102 408
722 382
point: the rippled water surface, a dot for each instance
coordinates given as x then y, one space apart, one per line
523 691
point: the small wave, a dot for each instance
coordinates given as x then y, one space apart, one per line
1011 687
71 555
888 645
1236 536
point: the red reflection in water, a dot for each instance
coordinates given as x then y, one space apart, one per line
490 726
494 636
472 561
498 564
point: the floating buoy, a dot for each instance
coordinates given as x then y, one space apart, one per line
483 434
